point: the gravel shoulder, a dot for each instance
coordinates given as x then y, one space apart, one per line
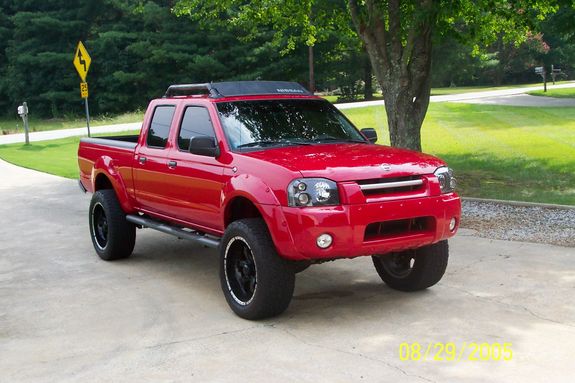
519 223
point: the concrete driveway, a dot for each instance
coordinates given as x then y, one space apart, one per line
66 316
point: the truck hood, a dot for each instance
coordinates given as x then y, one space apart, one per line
350 162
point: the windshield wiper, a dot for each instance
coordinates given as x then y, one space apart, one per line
271 143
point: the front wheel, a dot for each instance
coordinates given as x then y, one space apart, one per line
256 282
413 270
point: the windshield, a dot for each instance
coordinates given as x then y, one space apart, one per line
271 123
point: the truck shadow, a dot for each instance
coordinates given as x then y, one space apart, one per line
350 285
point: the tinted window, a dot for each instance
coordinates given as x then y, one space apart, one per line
160 126
251 124
196 123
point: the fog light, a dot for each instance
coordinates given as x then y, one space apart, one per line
324 241
452 224
303 199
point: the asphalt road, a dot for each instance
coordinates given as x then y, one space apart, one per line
66 316
523 100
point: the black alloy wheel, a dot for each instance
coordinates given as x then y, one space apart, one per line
413 270
399 265
256 281
240 271
99 226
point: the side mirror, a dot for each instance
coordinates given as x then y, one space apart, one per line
370 134
204 146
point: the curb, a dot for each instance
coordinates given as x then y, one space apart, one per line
520 203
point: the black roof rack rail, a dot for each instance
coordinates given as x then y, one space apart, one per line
190 89
238 88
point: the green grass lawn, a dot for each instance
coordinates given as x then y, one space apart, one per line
501 152
558 93
14 125
58 157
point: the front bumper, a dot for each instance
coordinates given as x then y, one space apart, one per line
294 230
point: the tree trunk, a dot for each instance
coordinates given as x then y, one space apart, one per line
367 77
401 64
311 69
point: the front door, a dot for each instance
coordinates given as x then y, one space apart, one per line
196 181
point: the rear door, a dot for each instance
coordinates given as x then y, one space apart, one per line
151 165
196 180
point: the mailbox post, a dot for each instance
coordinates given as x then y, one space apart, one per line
23 112
555 72
540 70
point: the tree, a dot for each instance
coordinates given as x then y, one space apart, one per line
40 51
398 35
6 28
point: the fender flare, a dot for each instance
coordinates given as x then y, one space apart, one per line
104 166
264 199
250 187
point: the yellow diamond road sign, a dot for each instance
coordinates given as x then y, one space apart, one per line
82 61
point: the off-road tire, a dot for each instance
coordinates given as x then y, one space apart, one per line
118 238
428 267
299 266
273 284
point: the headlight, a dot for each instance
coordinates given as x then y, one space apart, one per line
447 182
312 192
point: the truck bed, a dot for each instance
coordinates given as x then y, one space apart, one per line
118 149
128 141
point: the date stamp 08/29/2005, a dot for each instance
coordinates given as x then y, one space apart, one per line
452 352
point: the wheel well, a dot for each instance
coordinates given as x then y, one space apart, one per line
102 182
240 208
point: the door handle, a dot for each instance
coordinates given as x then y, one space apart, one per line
172 164
142 160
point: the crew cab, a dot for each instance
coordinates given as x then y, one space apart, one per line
276 179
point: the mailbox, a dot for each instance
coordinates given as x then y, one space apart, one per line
23 110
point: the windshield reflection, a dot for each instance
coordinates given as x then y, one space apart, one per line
268 123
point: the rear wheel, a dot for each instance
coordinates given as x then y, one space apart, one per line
256 282
413 270
112 236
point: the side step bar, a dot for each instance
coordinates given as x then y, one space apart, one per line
202 239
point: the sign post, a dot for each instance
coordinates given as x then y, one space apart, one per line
82 61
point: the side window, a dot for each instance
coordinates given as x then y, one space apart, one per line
196 123
160 126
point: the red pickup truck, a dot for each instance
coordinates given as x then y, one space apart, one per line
276 179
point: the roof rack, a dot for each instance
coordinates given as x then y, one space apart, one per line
188 90
238 88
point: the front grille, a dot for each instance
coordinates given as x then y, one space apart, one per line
390 185
398 228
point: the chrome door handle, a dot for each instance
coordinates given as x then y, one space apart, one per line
142 160
172 164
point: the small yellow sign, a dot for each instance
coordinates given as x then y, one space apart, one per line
82 61
84 89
